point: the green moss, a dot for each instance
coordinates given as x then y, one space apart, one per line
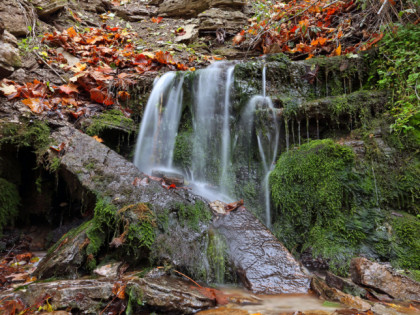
135 299
217 256
183 149
98 232
307 187
35 134
193 215
407 242
9 202
111 119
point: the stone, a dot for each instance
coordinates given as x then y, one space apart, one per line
319 286
215 18
385 279
182 8
191 34
134 11
164 294
228 3
9 38
169 177
109 270
71 60
224 311
46 8
1 27
9 58
218 207
345 285
263 264
13 17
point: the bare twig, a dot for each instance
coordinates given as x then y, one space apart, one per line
40 58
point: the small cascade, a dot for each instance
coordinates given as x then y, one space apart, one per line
156 140
219 150
225 150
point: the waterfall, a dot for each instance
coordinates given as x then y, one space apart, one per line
156 139
214 140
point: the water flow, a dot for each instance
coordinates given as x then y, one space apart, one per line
158 129
267 141
226 132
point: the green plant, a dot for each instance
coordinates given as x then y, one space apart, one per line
108 120
398 68
193 215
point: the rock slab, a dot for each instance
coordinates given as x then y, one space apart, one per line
263 263
385 279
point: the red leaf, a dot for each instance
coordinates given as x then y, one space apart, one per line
157 20
101 97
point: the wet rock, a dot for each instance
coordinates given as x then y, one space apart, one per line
9 55
218 207
383 310
313 263
169 177
46 8
164 294
383 278
13 17
345 285
224 311
191 34
263 264
215 18
111 176
324 291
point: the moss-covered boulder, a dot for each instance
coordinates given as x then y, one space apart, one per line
328 201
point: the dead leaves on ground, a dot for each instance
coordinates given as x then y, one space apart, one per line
308 28
109 65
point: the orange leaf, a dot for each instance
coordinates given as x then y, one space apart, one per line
340 34
164 57
338 50
36 105
71 32
123 95
239 38
119 290
157 20
314 42
68 88
98 139
101 97
322 41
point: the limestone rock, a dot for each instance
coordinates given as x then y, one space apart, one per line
191 33
344 285
262 262
9 55
334 295
165 294
13 18
134 11
109 270
215 18
1 27
228 3
182 8
169 177
385 279
46 8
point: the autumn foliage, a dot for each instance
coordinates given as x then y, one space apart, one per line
108 66
307 28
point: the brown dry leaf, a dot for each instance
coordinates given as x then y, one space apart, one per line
36 104
8 89
69 88
119 290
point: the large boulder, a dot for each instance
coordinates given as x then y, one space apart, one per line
182 7
46 8
9 55
263 263
383 278
215 18
14 17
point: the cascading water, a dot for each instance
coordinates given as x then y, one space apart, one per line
156 140
211 171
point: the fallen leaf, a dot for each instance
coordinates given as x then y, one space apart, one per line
69 88
98 139
157 20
